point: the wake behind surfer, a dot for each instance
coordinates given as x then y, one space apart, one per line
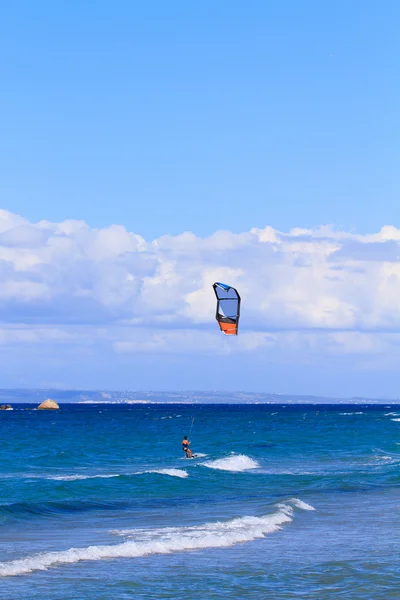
185 447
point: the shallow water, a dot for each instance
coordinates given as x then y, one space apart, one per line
281 502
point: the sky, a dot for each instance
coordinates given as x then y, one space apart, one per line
150 149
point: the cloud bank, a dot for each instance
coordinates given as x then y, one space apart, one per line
304 293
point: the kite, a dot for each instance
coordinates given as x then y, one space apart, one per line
228 308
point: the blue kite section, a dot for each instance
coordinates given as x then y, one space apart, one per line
223 285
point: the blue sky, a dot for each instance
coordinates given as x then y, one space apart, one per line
166 117
217 114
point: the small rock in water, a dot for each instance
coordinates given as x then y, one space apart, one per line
6 407
48 405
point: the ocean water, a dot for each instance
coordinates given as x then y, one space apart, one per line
280 502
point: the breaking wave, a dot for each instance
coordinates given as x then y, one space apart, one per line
80 477
171 472
235 463
300 504
164 541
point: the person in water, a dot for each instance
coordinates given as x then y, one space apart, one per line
185 447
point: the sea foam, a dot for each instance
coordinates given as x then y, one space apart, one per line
164 541
171 472
300 504
236 463
79 477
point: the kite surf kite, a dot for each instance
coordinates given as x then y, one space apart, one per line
228 308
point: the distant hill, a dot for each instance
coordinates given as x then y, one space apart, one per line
186 397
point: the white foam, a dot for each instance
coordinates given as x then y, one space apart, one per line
392 414
236 463
171 472
395 419
79 477
300 504
162 541
352 413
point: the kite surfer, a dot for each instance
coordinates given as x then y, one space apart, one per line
185 447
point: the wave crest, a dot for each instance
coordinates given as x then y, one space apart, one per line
164 541
79 477
171 472
235 463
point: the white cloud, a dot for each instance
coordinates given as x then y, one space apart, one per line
306 291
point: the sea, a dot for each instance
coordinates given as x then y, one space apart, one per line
97 501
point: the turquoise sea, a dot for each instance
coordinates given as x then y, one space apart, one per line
97 501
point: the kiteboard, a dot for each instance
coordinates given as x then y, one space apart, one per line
194 456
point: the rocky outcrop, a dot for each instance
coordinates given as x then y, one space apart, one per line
48 405
6 407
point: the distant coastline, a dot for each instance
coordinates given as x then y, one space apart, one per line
22 396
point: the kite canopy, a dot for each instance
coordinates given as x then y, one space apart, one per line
228 308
